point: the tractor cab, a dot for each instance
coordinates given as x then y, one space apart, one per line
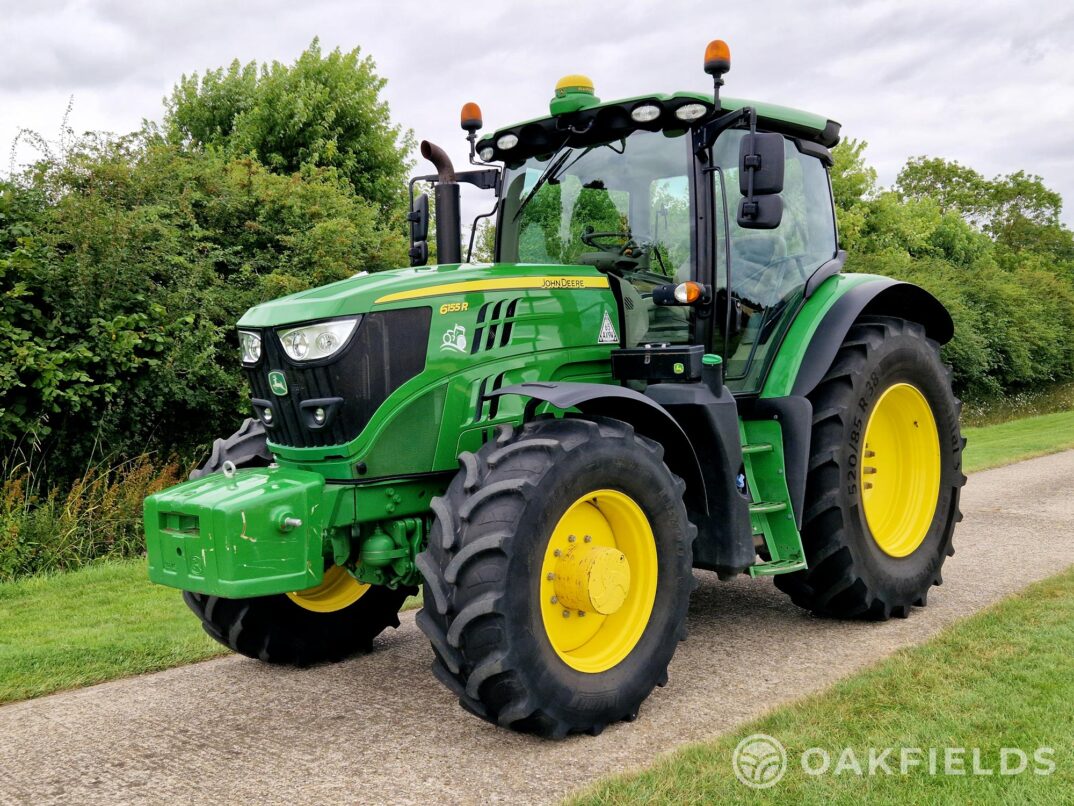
651 190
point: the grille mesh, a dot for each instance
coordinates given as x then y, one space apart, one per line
387 350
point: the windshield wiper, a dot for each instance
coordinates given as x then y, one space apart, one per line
557 165
550 170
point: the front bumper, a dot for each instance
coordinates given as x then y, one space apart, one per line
239 537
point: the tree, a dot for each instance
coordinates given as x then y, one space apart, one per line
325 110
123 269
1016 209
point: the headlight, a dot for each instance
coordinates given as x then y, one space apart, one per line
250 345
313 342
691 111
645 113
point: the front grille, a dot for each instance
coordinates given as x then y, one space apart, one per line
387 350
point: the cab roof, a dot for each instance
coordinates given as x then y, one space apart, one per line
611 119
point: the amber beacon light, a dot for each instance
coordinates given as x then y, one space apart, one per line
470 117
717 58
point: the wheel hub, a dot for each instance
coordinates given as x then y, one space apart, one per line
900 470
593 579
598 581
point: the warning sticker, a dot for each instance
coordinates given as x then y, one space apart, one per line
607 331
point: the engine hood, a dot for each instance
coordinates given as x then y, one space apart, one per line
400 288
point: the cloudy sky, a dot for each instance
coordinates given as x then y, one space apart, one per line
988 83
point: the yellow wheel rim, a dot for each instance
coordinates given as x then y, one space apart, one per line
337 590
598 581
900 470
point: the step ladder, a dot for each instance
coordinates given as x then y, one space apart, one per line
771 514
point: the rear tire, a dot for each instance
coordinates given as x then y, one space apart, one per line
489 613
276 629
854 573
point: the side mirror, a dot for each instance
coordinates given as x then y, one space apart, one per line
419 231
760 180
760 159
419 253
764 212
419 218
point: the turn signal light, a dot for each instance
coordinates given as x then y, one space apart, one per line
688 292
717 58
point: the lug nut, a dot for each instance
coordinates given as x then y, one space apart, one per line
556 553
551 576
555 599
571 539
566 614
588 538
581 613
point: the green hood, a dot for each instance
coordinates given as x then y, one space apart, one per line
407 287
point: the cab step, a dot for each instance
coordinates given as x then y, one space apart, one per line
767 507
771 514
777 567
757 447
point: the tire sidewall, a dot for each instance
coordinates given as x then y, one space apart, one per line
640 474
901 358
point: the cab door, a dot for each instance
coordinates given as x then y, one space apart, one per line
761 287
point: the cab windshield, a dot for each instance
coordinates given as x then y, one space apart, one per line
622 207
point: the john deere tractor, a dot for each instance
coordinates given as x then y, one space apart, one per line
664 369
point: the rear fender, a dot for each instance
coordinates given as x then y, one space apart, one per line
823 323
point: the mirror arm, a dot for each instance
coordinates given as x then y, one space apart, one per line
486 179
715 127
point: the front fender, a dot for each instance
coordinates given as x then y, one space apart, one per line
648 418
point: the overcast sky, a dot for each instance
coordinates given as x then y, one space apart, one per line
990 84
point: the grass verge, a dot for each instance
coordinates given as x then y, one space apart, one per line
94 624
995 445
98 623
1000 679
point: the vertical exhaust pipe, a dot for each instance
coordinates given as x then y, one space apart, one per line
448 216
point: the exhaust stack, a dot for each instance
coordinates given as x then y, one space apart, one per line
448 220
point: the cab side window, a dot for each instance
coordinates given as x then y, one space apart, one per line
769 268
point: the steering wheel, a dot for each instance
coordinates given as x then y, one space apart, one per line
624 243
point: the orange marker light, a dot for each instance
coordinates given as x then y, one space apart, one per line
688 292
470 117
717 57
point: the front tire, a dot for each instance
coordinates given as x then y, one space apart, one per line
557 576
885 473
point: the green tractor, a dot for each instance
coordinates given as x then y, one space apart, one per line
664 369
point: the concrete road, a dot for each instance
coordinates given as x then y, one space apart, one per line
380 729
